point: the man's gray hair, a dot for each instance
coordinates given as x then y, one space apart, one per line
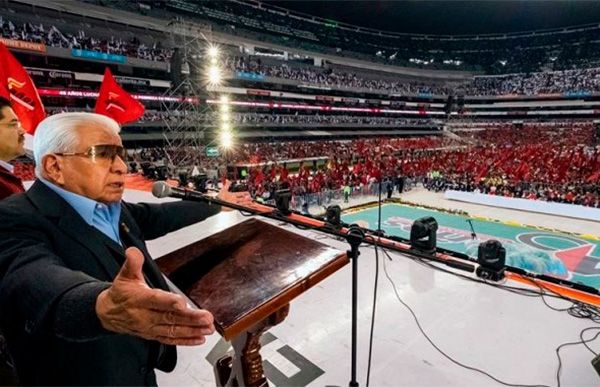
57 134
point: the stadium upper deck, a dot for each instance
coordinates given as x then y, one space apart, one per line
557 49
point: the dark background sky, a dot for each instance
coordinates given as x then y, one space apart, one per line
452 17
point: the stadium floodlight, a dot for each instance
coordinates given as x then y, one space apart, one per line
214 76
224 104
225 117
225 127
226 139
213 51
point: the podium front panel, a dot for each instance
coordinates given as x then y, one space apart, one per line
248 271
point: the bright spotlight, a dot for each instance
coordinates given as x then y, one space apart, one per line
214 75
225 116
213 51
224 106
225 127
226 138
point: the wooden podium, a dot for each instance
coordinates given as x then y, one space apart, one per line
246 277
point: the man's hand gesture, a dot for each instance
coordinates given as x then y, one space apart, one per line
129 306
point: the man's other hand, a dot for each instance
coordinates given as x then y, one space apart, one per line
129 306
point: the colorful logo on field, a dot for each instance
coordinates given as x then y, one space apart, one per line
562 256
575 253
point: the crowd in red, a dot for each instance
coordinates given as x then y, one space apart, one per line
536 162
532 153
254 153
555 163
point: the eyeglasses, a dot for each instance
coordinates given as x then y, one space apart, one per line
104 152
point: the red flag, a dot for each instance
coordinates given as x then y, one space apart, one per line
17 86
116 103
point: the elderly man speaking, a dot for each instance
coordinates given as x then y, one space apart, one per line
81 300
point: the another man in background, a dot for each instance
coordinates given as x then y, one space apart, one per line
12 139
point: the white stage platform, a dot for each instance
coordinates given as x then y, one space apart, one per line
510 336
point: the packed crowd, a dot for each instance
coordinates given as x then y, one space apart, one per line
331 78
257 153
552 163
564 48
52 36
257 118
567 81
241 119
536 162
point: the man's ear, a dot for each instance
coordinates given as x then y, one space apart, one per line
52 167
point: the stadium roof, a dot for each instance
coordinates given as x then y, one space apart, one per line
451 17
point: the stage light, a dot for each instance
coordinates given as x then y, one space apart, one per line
225 117
333 215
423 234
214 76
491 257
226 139
224 104
225 127
213 51
282 201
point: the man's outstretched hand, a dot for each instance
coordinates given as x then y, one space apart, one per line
130 306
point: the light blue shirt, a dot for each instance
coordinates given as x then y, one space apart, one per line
103 217
8 166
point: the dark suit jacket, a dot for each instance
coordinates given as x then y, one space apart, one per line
9 184
53 265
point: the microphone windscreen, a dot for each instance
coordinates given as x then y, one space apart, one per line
161 189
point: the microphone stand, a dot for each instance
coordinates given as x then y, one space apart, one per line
473 235
355 237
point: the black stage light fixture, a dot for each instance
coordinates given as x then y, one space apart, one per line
282 201
200 182
423 234
333 215
491 257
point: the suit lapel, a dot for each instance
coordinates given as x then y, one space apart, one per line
102 247
70 222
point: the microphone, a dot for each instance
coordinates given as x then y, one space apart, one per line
161 189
